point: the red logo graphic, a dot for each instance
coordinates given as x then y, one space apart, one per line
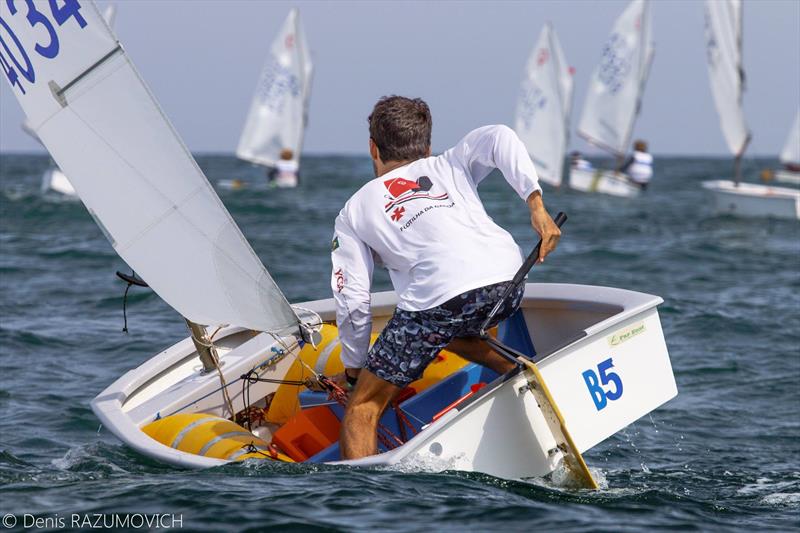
399 186
339 280
402 190
289 41
544 55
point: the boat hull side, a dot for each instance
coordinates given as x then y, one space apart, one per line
504 433
602 181
754 200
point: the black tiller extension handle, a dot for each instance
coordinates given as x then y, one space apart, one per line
519 277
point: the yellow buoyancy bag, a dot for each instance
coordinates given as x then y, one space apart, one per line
210 436
326 359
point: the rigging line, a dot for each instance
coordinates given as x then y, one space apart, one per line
125 308
226 397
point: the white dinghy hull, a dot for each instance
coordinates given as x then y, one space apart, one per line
754 200
788 176
600 350
603 181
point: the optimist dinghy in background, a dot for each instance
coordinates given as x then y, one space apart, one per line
726 73
544 106
238 393
614 99
278 114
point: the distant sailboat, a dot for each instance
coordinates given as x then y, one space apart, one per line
790 155
614 98
275 126
53 179
726 73
544 106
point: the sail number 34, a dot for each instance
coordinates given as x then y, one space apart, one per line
18 63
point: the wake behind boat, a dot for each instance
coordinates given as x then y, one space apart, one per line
232 390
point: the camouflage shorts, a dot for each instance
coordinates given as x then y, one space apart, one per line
412 339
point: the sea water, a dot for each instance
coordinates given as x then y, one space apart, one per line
723 455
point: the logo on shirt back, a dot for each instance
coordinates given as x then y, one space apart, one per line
401 190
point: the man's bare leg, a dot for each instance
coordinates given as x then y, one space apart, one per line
477 351
358 436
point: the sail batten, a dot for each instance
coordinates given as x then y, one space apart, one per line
790 155
613 100
138 179
723 33
543 107
278 113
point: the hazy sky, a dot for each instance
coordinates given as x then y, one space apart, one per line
202 60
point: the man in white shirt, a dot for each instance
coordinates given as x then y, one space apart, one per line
449 262
639 166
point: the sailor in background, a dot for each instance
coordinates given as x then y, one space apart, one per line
639 166
285 172
448 260
577 162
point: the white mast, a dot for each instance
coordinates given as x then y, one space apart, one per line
543 108
278 113
86 102
614 97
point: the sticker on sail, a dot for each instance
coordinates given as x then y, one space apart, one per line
626 334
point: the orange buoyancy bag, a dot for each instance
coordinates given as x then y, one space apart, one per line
326 359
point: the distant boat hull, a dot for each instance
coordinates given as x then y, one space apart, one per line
604 182
754 200
787 176
55 180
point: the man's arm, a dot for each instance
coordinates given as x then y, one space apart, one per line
490 147
350 280
626 165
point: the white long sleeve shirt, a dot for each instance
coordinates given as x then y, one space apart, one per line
426 224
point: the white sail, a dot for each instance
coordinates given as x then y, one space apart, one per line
724 56
615 91
109 15
86 102
790 155
278 113
544 105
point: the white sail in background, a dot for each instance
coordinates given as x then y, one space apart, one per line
790 155
543 108
110 15
86 102
278 113
615 91
724 56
